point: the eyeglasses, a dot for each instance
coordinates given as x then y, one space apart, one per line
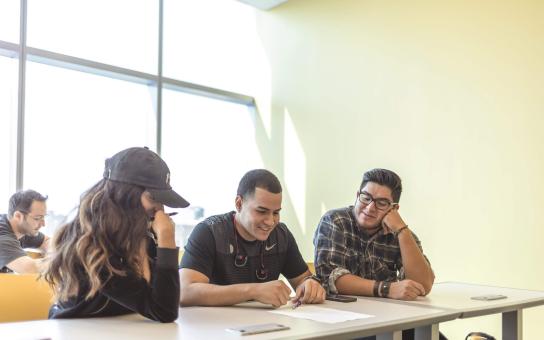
380 203
38 218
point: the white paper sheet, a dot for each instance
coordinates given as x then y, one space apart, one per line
321 314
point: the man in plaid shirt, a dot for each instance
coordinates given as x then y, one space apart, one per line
367 249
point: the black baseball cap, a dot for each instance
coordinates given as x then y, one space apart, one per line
143 167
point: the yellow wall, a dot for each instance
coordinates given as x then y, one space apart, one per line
447 93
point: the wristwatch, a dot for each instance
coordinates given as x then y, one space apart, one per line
385 289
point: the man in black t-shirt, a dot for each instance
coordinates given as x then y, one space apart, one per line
238 256
20 229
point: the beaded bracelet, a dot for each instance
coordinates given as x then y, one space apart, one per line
400 230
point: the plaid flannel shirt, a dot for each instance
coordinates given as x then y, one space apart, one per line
342 248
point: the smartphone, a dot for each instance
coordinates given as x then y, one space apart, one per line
341 298
259 328
488 297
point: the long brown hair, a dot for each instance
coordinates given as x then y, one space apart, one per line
111 222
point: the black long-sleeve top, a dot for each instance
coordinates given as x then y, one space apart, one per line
157 300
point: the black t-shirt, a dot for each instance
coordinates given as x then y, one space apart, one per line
11 248
211 250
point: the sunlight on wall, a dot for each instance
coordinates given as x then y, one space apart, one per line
455 109
323 208
295 170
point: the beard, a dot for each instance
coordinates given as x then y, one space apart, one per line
26 229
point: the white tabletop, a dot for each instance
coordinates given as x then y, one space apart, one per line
211 322
457 296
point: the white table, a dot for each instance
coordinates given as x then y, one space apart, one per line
211 322
457 296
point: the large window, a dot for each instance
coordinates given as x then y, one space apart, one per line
212 43
208 145
8 128
9 20
120 32
71 130
90 89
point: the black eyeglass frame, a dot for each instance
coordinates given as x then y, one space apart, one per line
35 218
361 195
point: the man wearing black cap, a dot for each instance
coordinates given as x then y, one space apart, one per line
118 255
238 256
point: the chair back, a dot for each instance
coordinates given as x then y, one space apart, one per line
24 297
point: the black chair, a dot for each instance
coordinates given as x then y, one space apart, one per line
409 334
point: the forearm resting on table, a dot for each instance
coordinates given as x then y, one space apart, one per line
350 284
197 291
26 265
207 294
415 265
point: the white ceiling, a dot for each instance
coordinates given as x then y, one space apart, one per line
263 4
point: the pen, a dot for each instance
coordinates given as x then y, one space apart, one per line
169 214
296 304
299 300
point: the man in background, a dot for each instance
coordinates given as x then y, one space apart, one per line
19 229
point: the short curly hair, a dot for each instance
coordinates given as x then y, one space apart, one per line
258 178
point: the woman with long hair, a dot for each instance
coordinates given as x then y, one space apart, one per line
118 255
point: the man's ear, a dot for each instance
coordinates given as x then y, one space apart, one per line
18 215
238 203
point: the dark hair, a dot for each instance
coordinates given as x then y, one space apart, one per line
258 178
384 177
111 223
22 200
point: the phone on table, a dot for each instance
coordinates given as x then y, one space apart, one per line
340 298
488 297
258 328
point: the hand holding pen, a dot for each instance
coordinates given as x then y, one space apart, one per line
296 304
168 214
309 291
164 229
